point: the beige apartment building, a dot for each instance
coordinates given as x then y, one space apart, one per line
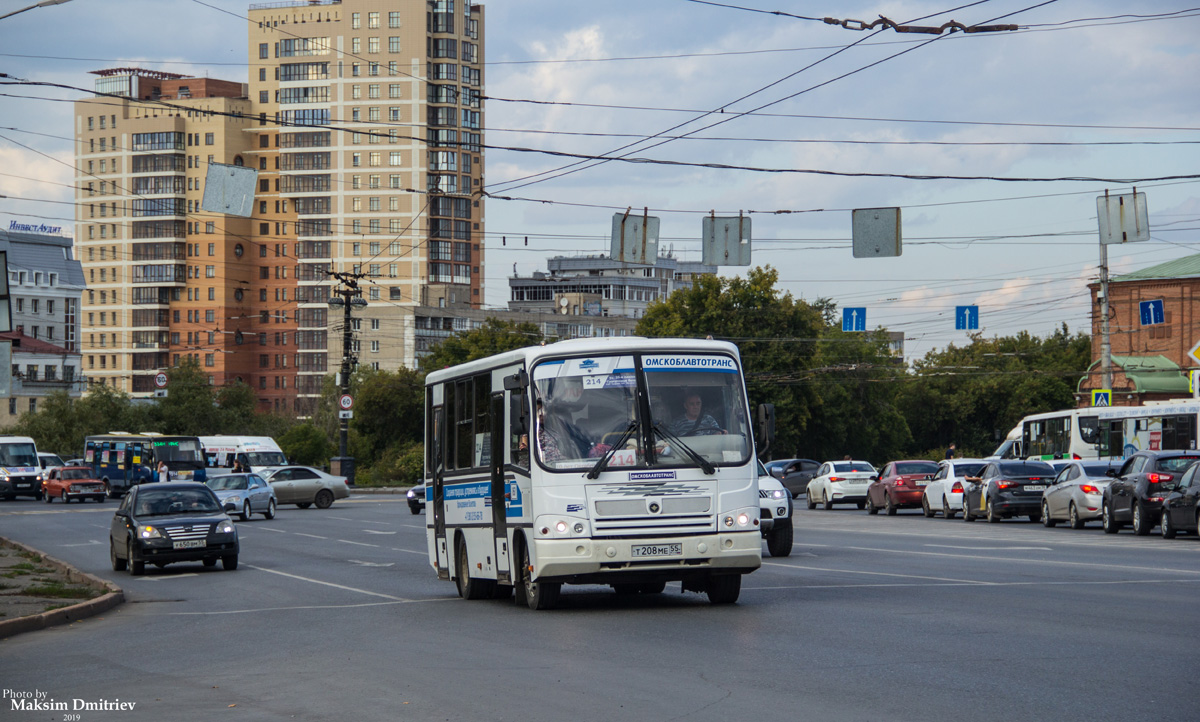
364 120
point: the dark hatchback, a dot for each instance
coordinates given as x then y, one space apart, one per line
164 523
1008 489
1136 495
1181 507
794 473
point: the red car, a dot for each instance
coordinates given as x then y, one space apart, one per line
899 486
72 482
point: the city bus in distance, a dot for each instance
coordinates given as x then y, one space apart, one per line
579 462
255 452
122 460
20 473
1112 432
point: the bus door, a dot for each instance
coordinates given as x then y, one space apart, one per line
435 495
499 490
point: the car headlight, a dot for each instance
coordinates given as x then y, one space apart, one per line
225 527
777 494
235 498
149 532
412 494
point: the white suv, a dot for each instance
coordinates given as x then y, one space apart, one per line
775 513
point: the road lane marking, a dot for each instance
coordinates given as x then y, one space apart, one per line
312 536
361 544
258 610
371 564
343 518
972 584
991 549
83 544
410 551
879 574
372 531
1029 561
267 528
330 584
170 576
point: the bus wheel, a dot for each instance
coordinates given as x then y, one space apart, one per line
723 588
468 588
537 595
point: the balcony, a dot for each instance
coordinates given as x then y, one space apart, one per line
172 273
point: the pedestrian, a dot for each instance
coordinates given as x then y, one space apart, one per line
164 474
950 451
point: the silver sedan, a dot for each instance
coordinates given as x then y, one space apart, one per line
305 486
1076 492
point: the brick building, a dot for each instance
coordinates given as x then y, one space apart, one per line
1149 362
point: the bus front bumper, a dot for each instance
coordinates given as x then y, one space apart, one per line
601 561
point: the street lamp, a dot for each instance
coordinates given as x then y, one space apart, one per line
347 298
42 4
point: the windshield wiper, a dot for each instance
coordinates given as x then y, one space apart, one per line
704 463
603 461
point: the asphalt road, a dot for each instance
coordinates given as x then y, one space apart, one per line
336 614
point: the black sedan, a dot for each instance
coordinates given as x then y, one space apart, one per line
1008 489
178 521
1135 496
1180 507
416 498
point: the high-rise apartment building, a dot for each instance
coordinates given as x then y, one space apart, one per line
364 121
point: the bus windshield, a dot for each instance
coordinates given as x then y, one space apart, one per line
18 454
179 453
586 408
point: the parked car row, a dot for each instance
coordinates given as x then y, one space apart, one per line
1145 490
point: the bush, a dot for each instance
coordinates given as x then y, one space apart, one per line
400 465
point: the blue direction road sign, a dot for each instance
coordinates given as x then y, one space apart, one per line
966 318
1152 312
854 319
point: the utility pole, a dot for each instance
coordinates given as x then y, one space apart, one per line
347 295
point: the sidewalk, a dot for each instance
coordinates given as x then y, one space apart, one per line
37 591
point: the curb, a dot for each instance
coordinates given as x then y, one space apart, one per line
66 615
379 490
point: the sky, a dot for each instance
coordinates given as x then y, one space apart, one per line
767 93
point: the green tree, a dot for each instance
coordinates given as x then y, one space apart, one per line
775 333
973 394
190 405
856 380
389 409
306 444
493 337
61 423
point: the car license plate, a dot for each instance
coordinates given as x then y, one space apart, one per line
656 550
190 544
1035 487
25 485
921 483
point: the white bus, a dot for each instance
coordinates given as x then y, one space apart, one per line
641 470
1113 432
255 452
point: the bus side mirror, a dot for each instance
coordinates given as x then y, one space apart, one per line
766 422
517 382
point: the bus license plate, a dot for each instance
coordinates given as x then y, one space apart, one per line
656 550
190 544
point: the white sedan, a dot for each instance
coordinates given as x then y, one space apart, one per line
944 492
305 486
841 482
